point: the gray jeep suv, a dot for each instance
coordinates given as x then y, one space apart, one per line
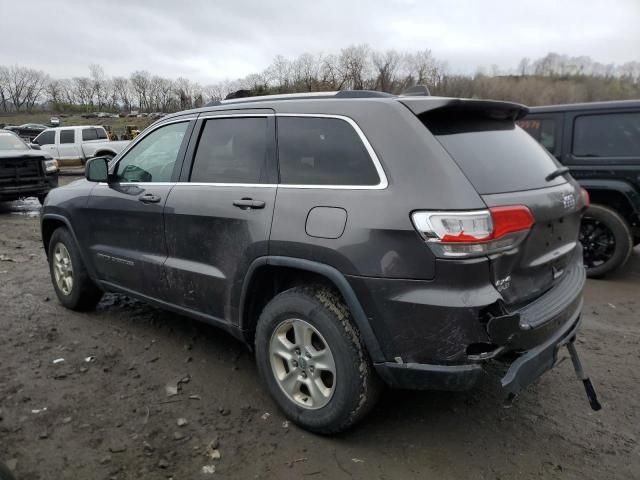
352 239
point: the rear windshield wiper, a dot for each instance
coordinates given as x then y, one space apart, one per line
556 173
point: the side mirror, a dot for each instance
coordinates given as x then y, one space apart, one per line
34 146
97 169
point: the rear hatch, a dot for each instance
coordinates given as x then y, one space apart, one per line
507 168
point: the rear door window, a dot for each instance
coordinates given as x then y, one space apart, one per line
323 151
607 135
234 150
496 155
89 134
67 136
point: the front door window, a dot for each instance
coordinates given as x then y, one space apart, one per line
153 158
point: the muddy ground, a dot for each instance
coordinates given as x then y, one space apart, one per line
111 417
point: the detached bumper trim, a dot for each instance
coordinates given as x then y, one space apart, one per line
530 365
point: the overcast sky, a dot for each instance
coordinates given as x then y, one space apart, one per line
226 39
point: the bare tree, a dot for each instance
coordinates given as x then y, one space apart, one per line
98 84
386 65
83 91
354 62
4 88
140 81
122 87
17 85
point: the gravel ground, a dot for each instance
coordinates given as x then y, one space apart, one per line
105 413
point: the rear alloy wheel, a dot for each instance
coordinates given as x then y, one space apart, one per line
302 363
606 241
313 361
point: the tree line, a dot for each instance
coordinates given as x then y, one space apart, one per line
553 78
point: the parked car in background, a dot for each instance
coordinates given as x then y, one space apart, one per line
70 145
420 242
28 131
600 144
54 122
24 172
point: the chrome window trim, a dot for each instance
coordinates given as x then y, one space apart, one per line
383 184
372 155
233 115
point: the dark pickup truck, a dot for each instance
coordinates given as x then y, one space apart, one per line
600 143
24 171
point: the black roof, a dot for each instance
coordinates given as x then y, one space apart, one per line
586 106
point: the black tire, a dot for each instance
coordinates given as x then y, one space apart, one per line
5 473
84 294
357 386
606 240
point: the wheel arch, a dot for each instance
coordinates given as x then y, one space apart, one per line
268 276
101 153
615 194
49 224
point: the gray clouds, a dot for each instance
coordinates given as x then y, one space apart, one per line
213 40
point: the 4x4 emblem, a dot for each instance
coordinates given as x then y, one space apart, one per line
568 201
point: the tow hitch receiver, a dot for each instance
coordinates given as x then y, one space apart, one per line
588 386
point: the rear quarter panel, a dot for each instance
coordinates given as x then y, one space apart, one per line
379 239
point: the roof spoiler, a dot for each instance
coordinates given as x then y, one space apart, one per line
490 108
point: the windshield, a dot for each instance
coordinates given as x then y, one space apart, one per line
495 155
8 141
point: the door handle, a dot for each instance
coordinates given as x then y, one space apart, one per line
248 203
149 198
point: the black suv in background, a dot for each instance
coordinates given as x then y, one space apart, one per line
600 143
25 171
351 238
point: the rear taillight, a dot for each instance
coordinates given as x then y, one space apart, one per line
473 233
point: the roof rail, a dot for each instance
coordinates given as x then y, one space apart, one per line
417 91
362 94
242 96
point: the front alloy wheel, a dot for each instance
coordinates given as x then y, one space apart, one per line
302 363
74 288
63 269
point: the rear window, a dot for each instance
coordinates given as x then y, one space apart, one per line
323 151
610 135
495 155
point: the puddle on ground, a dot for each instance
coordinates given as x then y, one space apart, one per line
29 207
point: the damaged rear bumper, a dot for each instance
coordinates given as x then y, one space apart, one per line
525 369
522 344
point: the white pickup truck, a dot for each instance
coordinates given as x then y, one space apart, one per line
70 145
